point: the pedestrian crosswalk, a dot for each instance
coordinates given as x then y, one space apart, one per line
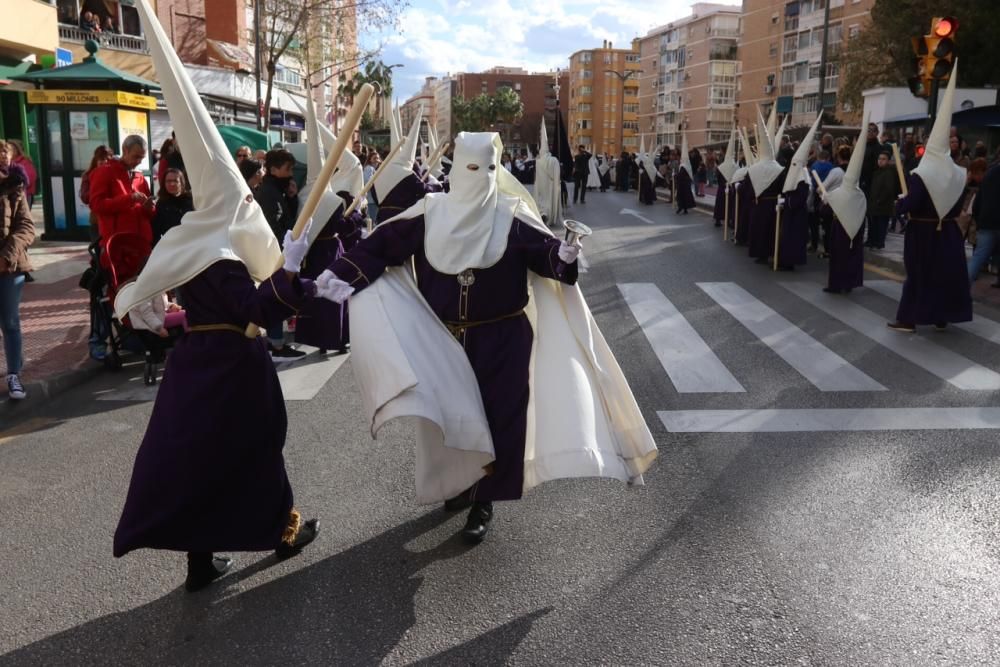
693 366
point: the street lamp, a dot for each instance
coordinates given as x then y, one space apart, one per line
623 78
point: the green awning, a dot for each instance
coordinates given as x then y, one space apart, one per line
12 71
91 71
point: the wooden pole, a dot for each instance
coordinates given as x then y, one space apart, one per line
819 182
323 180
725 226
736 211
899 170
777 230
371 181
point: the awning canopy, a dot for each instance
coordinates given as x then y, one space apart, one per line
90 71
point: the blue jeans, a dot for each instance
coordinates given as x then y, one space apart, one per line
10 320
986 240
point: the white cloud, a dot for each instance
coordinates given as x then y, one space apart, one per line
441 36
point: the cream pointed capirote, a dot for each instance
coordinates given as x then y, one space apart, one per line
728 164
797 169
401 165
848 201
944 180
685 161
766 169
315 155
226 224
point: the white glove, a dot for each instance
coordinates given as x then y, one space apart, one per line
568 253
336 290
323 279
364 232
295 250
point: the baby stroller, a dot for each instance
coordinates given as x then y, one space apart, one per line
126 255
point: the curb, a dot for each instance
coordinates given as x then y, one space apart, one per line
42 392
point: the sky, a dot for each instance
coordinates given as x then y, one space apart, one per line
436 37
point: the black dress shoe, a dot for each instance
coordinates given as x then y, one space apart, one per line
307 533
830 290
478 523
458 503
203 569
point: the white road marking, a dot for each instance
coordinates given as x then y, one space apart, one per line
848 419
827 370
687 359
636 214
945 364
979 326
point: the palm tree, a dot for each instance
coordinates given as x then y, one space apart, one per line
376 73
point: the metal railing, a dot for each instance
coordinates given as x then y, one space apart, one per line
107 40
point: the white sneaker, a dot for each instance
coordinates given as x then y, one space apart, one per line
15 390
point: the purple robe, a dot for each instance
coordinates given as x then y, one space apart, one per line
847 257
209 474
403 195
322 323
936 290
499 349
719 214
647 193
685 195
746 197
794 227
763 214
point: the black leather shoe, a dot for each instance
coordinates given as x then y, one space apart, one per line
307 533
458 503
478 523
204 568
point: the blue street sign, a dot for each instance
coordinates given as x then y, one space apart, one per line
64 57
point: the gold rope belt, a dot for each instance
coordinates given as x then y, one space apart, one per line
200 328
458 328
934 220
774 198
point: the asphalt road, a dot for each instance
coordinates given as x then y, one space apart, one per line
758 546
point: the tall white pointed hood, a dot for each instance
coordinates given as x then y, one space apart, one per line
685 161
401 165
548 190
776 139
741 172
797 169
395 128
848 201
432 137
349 176
748 153
764 172
728 165
772 123
944 180
315 156
227 224
647 162
543 141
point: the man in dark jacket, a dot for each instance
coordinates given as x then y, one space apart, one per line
872 150
986 213
884 190
581 171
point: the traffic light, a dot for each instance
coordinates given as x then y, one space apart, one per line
934 55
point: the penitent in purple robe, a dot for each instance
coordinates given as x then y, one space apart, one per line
647 193
685 195
763 214
794 227
499 347
209 474
321 323
936 290
746 197
719 214
403 195
847 257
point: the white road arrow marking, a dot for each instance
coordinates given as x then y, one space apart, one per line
636 214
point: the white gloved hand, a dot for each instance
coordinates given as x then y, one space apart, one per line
296 250
568 253
336 290
364 233
323 279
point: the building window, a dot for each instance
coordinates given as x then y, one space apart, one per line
587 74
631 57
631 125
832 76
585 57
721 95
722 72
586 90
773 50
584 124
853 31
584 107
631 108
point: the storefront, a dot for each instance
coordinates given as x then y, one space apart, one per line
77 109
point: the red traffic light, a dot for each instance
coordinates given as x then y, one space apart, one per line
945 26
920 150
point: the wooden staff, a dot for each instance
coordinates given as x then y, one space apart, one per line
899 170
736 211
777 230
725 226
350 124
371 182
819 183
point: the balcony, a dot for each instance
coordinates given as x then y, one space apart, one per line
723 53
107 40
724 32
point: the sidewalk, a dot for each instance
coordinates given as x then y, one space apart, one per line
55 323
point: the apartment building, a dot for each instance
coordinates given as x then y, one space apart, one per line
688 80
421 102
604 99
444 93
780 51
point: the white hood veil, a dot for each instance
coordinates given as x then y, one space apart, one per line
685 161
848 201
548 190
226 224
647 162
797 169
728 165
944 180
583 420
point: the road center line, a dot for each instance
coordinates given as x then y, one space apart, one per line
846 419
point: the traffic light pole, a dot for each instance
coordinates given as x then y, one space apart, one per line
822 62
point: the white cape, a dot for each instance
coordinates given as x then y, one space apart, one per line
583 420
548 190
594 175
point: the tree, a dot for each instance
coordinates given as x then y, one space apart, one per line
313 32
486 111
881 55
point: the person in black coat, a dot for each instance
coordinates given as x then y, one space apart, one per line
279 207
581 172
172 203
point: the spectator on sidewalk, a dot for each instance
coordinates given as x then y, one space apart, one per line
18 157
985 214
173 202
252 172
101 155
882 200
581 171
17 232
243 153
120 196
371 166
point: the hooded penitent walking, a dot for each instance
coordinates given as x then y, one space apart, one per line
647 176
209 475
793 234
848 204
547 188
684 179
767 177
723 174
492 347
936 290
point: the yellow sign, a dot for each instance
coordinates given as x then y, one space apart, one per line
78 97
